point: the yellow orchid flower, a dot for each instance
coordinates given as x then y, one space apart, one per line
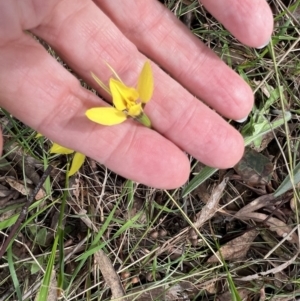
127 101
77 161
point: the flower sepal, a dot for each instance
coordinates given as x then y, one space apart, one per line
144 120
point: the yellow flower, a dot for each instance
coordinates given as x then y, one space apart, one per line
127 101
77 161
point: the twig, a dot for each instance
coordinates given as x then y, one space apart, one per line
24 211
5 200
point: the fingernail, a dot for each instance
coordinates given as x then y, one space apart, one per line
264 45
242 120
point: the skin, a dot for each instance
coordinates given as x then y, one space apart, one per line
39 91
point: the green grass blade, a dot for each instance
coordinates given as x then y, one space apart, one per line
201 177
128 224
60 234
9 222
232 288
13 273
287 184
95 247
44 289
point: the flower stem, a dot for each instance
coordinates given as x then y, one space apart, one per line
144 120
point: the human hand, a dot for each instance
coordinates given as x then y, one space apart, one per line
35 88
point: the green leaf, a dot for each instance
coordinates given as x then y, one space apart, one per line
287 184
274 96
34 268
41 237
254 168
258 121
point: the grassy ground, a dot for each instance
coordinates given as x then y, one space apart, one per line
227 234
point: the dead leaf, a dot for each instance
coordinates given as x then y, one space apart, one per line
10 199
4 191
236 248
84 217
275 224
281 279
266 139
260 202
275 270
52 295
25 190
227 296
254 168
178 292
210 286
26 162
18 186
103 263
209 210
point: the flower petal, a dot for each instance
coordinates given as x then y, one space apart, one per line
58 149
121 94
145 84
77 162
135 110
106 115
